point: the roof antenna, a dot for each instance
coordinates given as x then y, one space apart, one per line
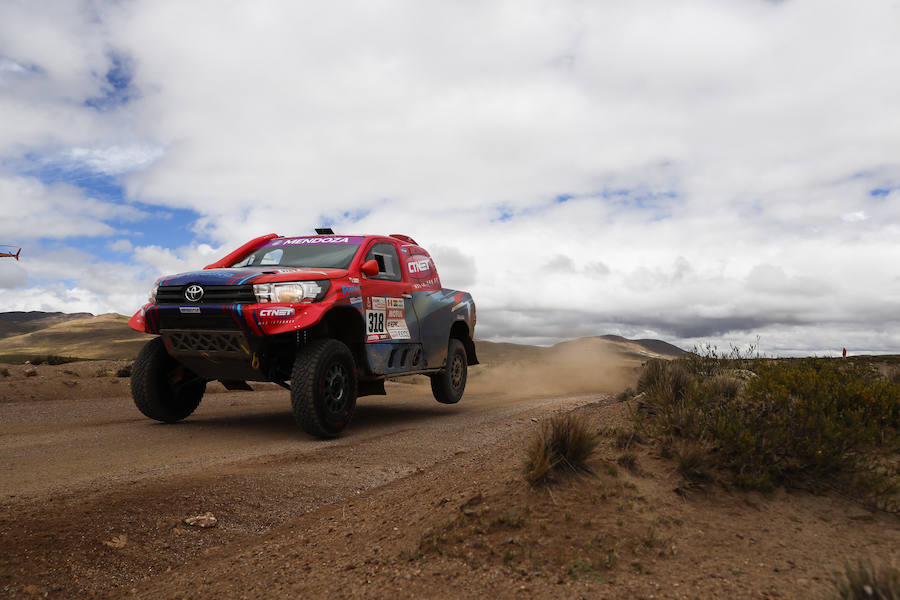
324 231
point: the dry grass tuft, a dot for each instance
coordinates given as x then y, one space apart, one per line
865 581
628 461
693 462
564 443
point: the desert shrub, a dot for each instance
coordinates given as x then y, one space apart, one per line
725 386
625 395
564 443
810 419
693 461
628 461
795 422
124 371
893 375
4 372
51 359
624 439
667 379
865 581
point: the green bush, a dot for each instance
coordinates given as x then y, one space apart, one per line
564 443
795 422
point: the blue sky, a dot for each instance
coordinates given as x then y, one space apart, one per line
707 171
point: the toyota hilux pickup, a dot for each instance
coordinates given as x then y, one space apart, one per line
328 317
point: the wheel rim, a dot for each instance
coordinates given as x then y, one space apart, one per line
334 389
456 372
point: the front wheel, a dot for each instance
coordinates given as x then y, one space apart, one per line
448 385
323 387
161 387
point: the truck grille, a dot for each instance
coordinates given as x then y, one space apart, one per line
207 342
212 294
203 322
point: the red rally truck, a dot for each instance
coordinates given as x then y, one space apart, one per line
328 317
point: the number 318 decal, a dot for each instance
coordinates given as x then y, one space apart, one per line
375 321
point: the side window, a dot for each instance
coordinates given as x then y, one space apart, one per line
385 254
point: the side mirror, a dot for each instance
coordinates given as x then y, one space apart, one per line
370 268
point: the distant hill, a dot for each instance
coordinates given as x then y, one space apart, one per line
655 346
17 323
495 352
82 336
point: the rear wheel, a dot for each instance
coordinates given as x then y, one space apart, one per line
323 387
161 387
448 385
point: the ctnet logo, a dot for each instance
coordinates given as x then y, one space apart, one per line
419 266
276 312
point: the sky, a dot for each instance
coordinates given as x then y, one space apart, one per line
701 171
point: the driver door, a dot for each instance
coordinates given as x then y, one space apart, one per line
393 341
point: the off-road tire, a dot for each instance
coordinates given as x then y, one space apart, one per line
323 387
448 385
161 387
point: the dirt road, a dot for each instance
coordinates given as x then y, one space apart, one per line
59 447
416 499
77 473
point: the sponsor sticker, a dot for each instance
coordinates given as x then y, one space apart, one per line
350 289
276 313
421 265
375 320
356 300
425 284
386 319
309 241
397 329
192 310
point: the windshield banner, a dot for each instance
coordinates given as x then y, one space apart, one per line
315 241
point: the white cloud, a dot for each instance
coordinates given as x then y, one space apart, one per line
719 158
12 275
854 217
31 210
163 261
114 160
120 246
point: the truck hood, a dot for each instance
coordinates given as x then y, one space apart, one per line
251 275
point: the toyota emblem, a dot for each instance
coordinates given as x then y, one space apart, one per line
193 293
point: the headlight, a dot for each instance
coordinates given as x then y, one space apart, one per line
152 295
293 292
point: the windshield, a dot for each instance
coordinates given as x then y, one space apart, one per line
316 252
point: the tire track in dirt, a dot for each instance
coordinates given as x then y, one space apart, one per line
70 486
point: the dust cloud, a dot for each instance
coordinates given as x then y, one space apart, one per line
566 369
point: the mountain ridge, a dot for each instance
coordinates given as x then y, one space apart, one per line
87 336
